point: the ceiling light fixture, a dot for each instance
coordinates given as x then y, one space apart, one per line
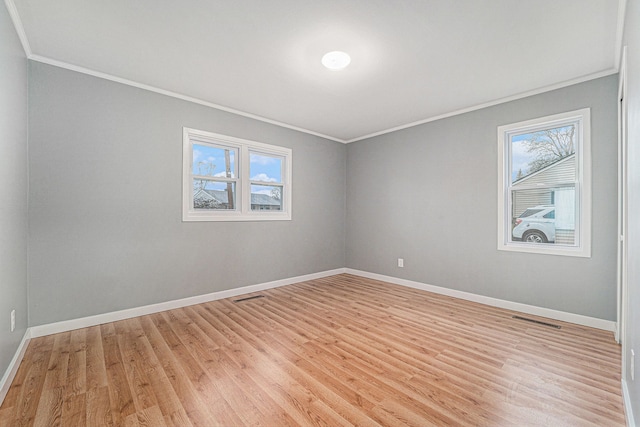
336 60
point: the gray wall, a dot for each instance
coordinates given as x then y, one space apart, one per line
631 340
105 228
428 194
13 189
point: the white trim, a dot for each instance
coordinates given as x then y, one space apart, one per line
17 23
64 326
622 245
628 410
150 88
582 119
578 319
71 67
13 11
243 148
85 322
83 70
498 101
12 369
622 11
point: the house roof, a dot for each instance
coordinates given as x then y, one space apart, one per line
544 169
256 198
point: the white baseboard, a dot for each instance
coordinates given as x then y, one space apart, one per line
578 319
85 322
12 369
628 410
68 325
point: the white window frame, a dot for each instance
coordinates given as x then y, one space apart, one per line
242 211
582 248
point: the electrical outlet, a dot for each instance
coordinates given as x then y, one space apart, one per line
400 262
13 320
633 365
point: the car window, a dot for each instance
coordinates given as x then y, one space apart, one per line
551 215
530 212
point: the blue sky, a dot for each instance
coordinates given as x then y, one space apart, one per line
520 158
266 168
210 161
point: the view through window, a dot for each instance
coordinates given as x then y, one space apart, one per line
543 184
232 179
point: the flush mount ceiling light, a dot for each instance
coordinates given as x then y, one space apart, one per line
336 60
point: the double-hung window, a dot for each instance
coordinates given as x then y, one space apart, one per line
544 185
232 179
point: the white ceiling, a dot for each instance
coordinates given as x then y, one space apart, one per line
412 60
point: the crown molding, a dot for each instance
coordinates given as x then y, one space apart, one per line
622 12
13 12
99 74
17 23
498 101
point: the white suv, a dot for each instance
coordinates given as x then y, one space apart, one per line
536 225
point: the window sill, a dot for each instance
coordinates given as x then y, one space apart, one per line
546 249
234 216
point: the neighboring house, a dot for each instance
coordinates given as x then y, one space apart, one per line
264 202
524 196
217 199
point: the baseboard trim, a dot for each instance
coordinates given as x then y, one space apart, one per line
578 319
68 325
628 410
85 322
12 369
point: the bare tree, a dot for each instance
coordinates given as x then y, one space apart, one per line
550 145
204 169
202 203
207 168
275 193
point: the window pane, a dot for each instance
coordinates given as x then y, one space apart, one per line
546 215
212 161
217 185
545 177
214 194
266 198
265 168
549 152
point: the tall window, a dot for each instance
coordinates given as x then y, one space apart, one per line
544 203
232 179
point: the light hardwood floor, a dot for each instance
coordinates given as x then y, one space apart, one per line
343 350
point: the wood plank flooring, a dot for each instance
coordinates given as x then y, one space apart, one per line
338 351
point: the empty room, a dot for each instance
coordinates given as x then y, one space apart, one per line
334 213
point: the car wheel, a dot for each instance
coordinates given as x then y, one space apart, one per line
534 237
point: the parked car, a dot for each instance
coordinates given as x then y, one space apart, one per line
536 225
